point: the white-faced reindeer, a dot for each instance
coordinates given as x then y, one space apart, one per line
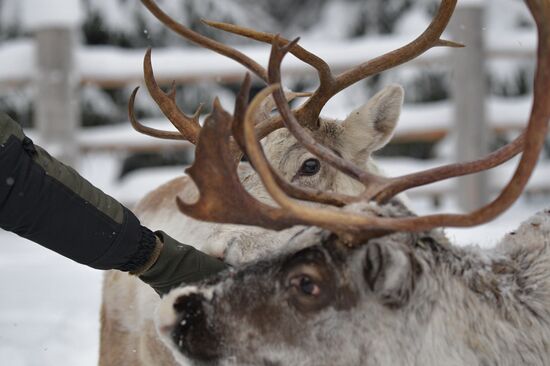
366 284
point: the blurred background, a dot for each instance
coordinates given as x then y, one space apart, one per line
67 68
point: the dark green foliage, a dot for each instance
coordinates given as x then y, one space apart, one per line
417 150
96 33
522 84
20 113
147 160
428 86
295 14
379 17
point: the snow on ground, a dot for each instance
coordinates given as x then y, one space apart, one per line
49 307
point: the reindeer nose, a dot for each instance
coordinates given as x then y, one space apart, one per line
190 315
190 309
191 332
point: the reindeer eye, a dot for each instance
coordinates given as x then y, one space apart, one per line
306 285
310 167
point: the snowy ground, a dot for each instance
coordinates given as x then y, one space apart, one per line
49 307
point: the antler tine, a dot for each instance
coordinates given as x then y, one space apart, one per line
205 42
323 69
167 135
188 127
396 185
330 84
428 39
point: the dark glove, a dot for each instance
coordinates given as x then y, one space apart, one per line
173 264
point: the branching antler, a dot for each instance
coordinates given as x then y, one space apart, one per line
222 196
382 189
223 199
356 227
331 84
378 187
308 113
188 126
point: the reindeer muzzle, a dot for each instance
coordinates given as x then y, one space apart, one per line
183 320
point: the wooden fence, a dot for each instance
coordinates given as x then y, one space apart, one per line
62 65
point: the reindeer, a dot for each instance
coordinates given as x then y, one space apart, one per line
127 332
368 283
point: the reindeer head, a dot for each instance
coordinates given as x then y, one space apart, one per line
365 130
359 269
320 303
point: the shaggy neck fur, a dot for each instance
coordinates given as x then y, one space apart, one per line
482 307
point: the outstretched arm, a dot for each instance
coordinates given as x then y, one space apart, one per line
49 203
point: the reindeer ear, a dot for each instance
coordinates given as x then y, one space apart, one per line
370 127
391 272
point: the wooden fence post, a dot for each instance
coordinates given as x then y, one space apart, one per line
56 102
469 94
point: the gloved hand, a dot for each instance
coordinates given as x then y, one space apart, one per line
173 263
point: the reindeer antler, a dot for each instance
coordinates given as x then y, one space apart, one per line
222 197
188 126
308 113
356 227
330 84
531 142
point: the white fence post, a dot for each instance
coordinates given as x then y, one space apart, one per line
469 94
56 104
56 109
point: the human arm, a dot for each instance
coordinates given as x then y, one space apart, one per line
49 203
